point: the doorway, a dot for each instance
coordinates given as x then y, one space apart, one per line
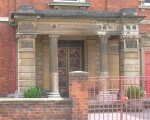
70 58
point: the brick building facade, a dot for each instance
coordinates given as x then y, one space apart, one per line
85 27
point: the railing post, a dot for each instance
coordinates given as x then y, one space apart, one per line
121 99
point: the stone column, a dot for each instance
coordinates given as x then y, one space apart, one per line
104 61
53 68
26 62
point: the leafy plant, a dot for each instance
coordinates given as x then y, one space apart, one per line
32 92
133 92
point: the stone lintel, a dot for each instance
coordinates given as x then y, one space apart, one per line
71 4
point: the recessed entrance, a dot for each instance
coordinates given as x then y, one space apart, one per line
70 58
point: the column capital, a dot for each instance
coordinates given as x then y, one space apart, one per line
53 36
104 36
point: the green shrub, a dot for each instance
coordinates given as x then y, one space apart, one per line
32 92
133 92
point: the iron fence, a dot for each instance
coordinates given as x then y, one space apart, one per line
119 98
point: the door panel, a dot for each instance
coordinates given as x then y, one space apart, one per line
70 58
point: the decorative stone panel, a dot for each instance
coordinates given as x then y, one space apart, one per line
130 29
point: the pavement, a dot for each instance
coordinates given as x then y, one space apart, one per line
144 115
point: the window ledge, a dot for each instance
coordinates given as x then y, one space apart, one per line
144 7
67 4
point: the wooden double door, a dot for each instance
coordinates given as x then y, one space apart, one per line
70 58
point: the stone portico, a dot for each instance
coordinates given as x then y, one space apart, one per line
110 44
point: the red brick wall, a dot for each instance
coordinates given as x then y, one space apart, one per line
36 110
6 59
146 13
75 108
7 50
79 95
112 5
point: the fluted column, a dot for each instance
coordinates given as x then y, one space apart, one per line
53 68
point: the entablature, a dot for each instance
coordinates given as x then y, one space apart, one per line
77 22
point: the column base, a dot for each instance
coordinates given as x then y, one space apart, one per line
54 95
16 94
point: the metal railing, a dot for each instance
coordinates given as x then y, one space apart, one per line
119 98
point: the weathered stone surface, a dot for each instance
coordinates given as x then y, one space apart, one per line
146 43
131 61
93 58
27 69
130 55
27 83
27 62
27 76
23 55
131 68
131 73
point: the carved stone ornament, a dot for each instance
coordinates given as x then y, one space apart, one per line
53 26
27 26
131 27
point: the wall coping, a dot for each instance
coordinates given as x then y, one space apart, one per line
32 99
78 75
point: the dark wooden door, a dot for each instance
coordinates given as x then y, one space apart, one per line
70 58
